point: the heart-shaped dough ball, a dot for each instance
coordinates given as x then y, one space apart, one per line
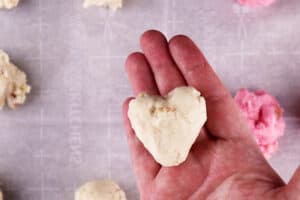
168 126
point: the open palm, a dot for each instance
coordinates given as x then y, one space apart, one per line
224 162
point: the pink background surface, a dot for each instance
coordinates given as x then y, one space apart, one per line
70 131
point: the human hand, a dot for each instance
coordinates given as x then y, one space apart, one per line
225 162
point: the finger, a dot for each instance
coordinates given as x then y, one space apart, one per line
224 117
166 73
144 165
203 141
140 74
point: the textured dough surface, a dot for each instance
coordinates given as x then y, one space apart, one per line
168 126
100 190
112 4
13 83
8 4
264 116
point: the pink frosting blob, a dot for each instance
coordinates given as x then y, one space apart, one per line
256 3
264 116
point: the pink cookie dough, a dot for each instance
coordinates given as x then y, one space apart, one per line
264 116
256 3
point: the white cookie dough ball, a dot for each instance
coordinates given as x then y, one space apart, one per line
100 190
13 83
8 4
112 4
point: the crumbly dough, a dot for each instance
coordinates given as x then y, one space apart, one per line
265 118
8 4
13 83
100 190
112 4
168 126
